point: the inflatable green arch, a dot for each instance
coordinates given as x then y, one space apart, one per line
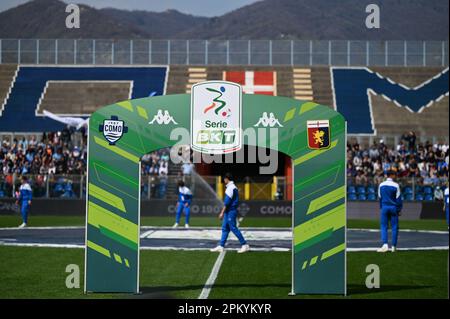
120 134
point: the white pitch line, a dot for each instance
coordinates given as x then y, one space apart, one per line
371 230
173 248
212 277
43 228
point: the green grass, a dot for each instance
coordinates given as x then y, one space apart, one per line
14 221
40 273
414 274
29 272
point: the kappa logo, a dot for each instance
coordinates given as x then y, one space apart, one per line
268 120
219 106
163 118
113 129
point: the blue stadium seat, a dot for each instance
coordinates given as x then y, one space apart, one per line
352 196
351 189
419 197
371 190
407 190
428 197
362 197
2 194
409 197
372 197
361 190
427 190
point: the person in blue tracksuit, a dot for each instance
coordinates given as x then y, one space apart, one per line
391 207
446 203
24 200
229 214
184 203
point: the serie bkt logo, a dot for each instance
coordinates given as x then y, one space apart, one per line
216 117
113 129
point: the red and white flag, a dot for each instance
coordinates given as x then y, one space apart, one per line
254 82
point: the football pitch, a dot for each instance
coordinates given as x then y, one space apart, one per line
38 272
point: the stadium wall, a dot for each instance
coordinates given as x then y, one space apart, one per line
210 208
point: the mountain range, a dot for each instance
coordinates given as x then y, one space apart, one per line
267 19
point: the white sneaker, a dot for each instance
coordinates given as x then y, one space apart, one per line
383 248
218 249
186 225
23 225
175 225
244 249
393 249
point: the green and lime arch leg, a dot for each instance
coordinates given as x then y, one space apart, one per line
319 202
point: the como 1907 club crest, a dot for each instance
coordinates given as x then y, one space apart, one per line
318 134
113 129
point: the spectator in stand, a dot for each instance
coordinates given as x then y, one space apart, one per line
187 168
438 194
425 162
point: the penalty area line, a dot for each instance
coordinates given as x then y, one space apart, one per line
212 277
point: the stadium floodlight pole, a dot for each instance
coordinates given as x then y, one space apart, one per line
348 53
329 52
292 52
149 51
310 52
206 52
228 52
386 54
249 50
187 52
93 51
168 51
112 53
270 52
424 53
18 52
37 51
367 53
131 51
405 53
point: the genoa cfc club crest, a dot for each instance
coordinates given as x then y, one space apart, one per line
318 134
113 129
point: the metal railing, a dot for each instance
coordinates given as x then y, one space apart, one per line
157 187
412 188
224 52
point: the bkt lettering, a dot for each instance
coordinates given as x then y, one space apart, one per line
216 137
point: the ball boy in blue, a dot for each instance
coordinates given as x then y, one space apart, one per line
183 204
229 215
390 207
446 203
24 200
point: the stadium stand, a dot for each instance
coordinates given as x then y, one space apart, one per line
19 112
82 97
7 73
75 86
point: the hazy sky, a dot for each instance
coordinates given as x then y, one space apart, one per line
196 7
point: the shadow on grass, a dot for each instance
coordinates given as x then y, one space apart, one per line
363 290
166 291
